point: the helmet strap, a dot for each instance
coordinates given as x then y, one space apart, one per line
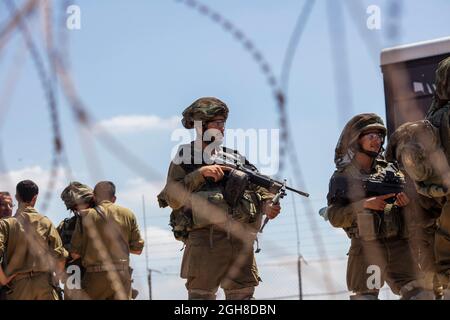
371 154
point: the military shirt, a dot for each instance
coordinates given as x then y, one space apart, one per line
114 230
29 242
181 183
346 202
343 214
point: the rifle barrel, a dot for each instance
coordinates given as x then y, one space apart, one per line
298 191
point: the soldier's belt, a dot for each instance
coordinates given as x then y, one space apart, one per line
103 268
27 275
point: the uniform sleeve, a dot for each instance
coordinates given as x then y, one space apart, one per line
76 243
179 186
136 242
55 244
341 212
3 239
343 216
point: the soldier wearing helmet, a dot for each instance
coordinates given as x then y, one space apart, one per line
417 148
441 100
104 240
379 249
77 197
439 116
218 236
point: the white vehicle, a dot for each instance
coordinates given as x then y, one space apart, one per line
409 77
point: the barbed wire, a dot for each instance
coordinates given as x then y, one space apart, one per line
341 67
47 87
27 9
287 145
59 62
257 56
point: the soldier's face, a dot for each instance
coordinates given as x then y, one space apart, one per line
371 141
214 130
217 123
6 206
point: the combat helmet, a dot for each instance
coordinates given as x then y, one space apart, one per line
77 193
203 109
359 125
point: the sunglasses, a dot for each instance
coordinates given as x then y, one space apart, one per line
374 135
218 123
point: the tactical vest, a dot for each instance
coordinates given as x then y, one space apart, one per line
243 207
368 225
66 229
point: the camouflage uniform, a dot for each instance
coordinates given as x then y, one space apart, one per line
219 239
104 240
377 238
5 212
416 146
30 247
439 116
73 195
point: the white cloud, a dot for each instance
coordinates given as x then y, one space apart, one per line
56 210
137 123
131 194
40 176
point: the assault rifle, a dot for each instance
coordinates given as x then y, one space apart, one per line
274 186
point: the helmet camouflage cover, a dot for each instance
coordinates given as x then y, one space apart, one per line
203 109
347 144
76 193
443 79
417 148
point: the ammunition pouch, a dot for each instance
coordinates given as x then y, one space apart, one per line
378 225
393 224
243 202
246 210
237 182
181 223
209 207
215 204
368 226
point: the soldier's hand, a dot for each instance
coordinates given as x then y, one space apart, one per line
402 200
377 203
271 210
4 280
214 171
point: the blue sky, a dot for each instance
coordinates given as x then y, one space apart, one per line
153 58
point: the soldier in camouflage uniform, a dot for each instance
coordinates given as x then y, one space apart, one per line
441 101
31 250
417 148
104 241
218 234
379 248
6 205
77 197
439 116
